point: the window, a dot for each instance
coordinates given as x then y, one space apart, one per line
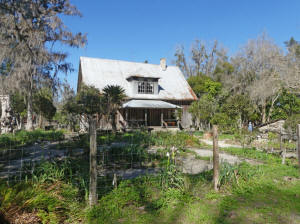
146 87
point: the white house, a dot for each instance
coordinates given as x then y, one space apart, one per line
154 92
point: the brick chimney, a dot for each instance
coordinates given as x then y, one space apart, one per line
163 64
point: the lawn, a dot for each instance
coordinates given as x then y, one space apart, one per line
25 138
57 193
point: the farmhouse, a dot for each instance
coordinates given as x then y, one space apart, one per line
157 95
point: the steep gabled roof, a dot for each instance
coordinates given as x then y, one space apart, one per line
102 72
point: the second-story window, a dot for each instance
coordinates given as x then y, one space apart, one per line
145 87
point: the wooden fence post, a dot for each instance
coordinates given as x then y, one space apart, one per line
282 148
93 162
215 157
298 136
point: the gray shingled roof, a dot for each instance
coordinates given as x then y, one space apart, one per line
102 72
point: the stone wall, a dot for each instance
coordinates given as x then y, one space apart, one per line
273 127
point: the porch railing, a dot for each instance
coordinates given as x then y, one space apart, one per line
136 123
143 123
170 122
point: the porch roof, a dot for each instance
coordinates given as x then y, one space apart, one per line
155 104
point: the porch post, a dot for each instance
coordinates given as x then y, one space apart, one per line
162 118
126 117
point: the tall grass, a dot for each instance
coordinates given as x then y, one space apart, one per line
23 138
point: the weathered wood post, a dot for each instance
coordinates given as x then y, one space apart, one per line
282 148
215 157
298 145
93 162
115 181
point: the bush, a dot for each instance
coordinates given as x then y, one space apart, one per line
226 124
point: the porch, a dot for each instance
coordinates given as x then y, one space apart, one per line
147 113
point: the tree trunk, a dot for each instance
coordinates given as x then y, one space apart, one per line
113 122
19 124
40 121
93 162
29 125
240 121
215 157
272 107
263 113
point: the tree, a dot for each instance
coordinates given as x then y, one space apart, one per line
293 46
18 107
203 110
43 105
89 103
258 67
29 31
291 66
204 58
239 108
114 95
67 113
204 85
223 70
286 105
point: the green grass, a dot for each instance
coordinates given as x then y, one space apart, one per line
206 158
57 193
252 153
23 138
265 198
256 194
181 140
55 202
226 136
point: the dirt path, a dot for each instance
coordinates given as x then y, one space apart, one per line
13 161
189 164
192 165
221 143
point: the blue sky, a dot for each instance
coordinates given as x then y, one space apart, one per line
139 30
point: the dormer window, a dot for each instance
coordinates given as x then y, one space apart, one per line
145 87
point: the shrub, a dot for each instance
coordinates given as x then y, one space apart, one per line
226 124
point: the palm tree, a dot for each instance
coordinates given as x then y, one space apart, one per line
114 95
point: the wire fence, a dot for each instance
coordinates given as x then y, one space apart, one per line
116 161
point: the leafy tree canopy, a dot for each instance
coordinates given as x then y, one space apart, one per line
43 103
89 101
202 84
